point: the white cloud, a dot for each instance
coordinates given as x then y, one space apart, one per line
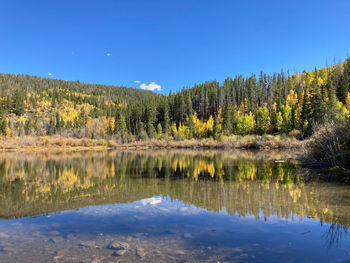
152 86
137 81
50 74
108 54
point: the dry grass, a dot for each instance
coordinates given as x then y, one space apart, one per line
233 142
31 143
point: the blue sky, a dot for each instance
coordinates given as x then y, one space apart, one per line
169 44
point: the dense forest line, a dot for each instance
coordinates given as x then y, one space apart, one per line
265 104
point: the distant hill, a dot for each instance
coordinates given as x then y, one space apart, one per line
42 106
27 83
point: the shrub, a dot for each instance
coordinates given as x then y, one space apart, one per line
295 133
112 143
330 144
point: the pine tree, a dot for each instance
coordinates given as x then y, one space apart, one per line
344 85
58 123
227 119
306 108
331 108
216 130
141 134
121 127
2 125
190 125
18 102
166 122
150 119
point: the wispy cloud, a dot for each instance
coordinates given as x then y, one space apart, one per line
137 81
152 86
108 54
49 74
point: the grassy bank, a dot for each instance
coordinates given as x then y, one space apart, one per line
30 143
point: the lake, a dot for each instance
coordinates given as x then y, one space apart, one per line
169 206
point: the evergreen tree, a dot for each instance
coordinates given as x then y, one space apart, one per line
121 127
344 85
228 119
190 125
166 122
18 102
216 131
306 108
150 119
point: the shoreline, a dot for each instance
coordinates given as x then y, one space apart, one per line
58 143
260 145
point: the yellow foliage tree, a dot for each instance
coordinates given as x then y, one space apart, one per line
110 125
209 125
292 98
199 127
245 123
173 129
203 129
7 131
220 119
183 130
348 101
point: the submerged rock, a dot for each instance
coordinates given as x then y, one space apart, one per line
140 252
119 247
56 239
119 253
88 244
179 252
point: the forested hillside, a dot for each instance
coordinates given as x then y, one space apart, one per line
41 106
264 104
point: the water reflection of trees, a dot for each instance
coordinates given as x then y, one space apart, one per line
240 184
334 234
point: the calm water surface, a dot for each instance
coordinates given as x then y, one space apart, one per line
169 207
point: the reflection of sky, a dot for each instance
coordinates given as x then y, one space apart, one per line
162 218
156 205
164 206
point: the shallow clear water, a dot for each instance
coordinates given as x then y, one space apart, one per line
169 207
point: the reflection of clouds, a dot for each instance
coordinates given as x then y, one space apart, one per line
151 201
190 210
